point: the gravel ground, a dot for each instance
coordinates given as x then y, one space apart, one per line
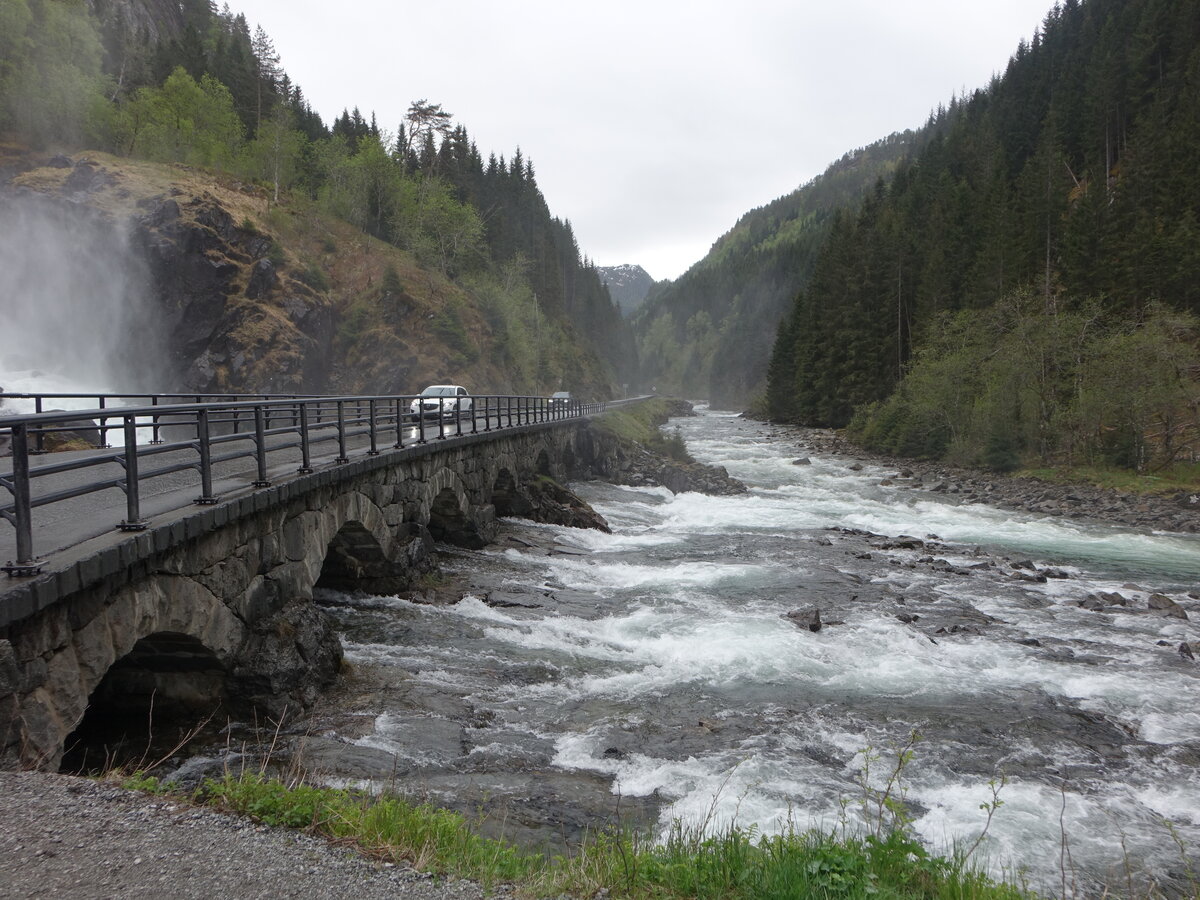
67 837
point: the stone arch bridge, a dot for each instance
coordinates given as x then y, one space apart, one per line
214 607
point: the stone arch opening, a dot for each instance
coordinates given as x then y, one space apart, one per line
167 686
570 465
356 560
448 520
353 554
543 464
507 497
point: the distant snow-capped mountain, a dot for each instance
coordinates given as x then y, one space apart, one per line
628 284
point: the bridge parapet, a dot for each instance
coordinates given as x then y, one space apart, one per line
210 606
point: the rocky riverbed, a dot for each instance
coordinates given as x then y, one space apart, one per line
1173 511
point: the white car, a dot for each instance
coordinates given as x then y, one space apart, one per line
444 400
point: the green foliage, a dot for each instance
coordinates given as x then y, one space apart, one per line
643 423
448 325
276 153
354 322
691 862
215 95
387 827
51 83
314 276
391 281
703 335
182 121
1022 381
1071 177
435 227
671 445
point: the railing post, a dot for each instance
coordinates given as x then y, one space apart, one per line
104 444
487 414
342 459
154 432
133 510
399 445
457 415
260 442
203 440
374 451
474 427
40 437
305 450
25 563
441 414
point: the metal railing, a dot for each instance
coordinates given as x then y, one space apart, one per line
199 436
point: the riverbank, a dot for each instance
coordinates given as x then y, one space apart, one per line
74 838
69 837
1177 511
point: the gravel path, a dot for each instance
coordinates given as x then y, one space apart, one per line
67 837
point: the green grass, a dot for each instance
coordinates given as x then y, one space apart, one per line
641 423
1180 477
690 863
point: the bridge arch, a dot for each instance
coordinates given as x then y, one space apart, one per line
226 590
160 621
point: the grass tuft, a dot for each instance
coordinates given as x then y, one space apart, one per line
691 862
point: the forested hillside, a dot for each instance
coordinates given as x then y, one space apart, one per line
1027 284
704 334
182 83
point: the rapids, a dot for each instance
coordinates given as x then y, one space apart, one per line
652 674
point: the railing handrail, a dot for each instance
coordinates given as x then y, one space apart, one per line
312 419
113 412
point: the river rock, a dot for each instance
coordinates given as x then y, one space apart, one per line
802 461
1185 650
805 618
1163 605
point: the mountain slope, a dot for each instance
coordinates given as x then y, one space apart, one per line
705 334
629 285
456 265
239 299
1031 278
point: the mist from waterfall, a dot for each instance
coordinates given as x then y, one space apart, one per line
77 312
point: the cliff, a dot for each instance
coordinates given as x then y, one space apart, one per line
244 296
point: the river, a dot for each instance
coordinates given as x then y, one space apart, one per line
653 674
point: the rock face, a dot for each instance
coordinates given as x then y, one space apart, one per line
629 285
215 312
233 322
626 462
545 500
158 20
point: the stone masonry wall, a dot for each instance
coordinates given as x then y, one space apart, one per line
239 580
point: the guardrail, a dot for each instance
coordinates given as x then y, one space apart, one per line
105 402
215 431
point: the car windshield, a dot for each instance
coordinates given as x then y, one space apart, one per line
561 395
439 390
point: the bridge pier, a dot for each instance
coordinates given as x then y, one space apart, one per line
214 612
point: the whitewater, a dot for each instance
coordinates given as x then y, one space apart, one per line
656 670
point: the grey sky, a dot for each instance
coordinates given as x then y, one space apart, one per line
652 126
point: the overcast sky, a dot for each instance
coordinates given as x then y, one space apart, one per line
652 125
